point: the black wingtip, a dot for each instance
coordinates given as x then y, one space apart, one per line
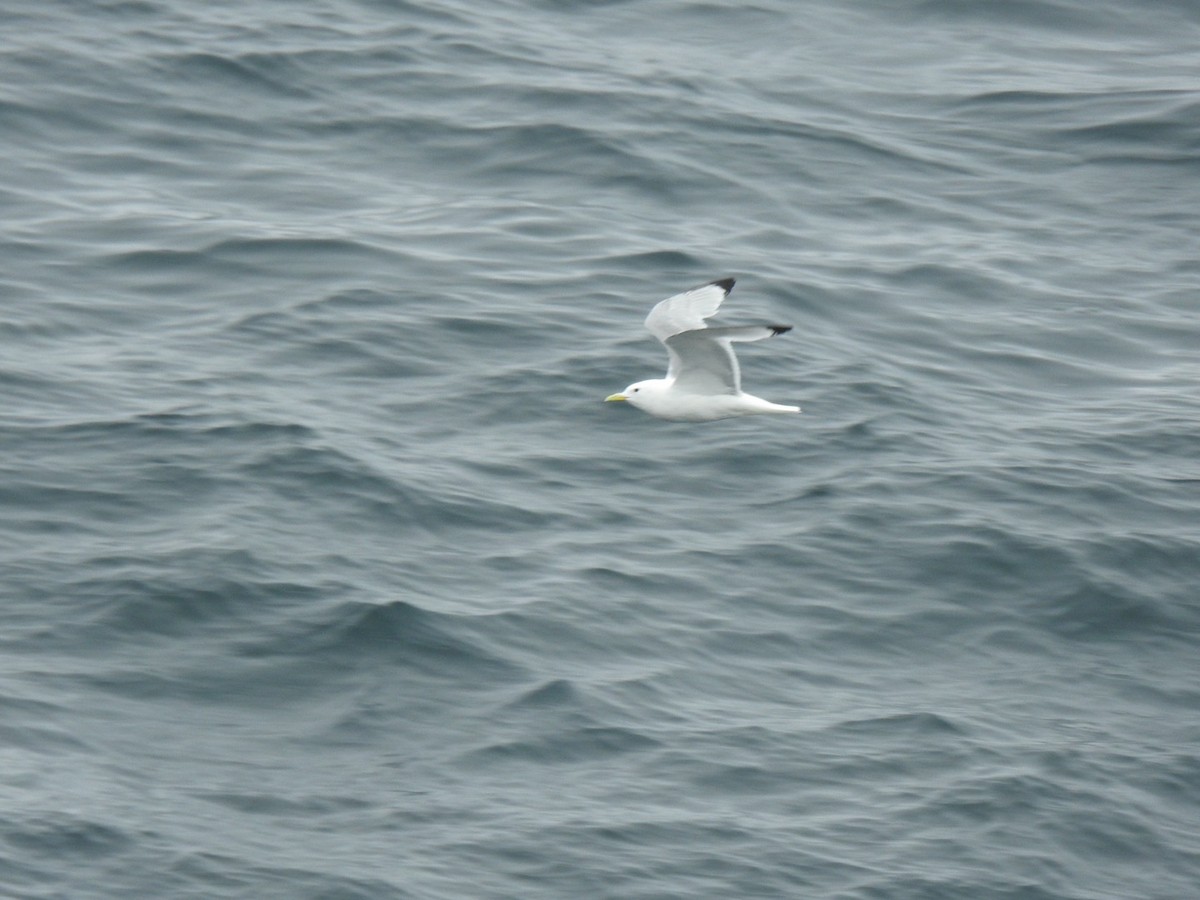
725 284
780 329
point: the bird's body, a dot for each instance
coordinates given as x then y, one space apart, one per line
703 380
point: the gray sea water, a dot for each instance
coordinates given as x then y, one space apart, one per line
327 574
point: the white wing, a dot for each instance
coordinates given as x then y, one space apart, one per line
701 358
687 311
703 362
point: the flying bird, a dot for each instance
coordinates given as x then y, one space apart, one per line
703 380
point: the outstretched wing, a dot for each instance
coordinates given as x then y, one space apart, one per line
703 362
687 311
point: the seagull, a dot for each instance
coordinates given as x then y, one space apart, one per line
703 380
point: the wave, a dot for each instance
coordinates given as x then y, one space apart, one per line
414 639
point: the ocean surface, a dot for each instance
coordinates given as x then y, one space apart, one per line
326 574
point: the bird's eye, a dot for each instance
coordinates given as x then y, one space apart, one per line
635 390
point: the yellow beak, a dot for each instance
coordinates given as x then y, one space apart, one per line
612 398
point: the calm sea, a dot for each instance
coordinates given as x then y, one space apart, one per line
326 574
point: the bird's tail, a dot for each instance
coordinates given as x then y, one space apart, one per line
766 406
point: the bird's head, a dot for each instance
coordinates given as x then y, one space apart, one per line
641 394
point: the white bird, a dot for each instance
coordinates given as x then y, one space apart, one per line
703 380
